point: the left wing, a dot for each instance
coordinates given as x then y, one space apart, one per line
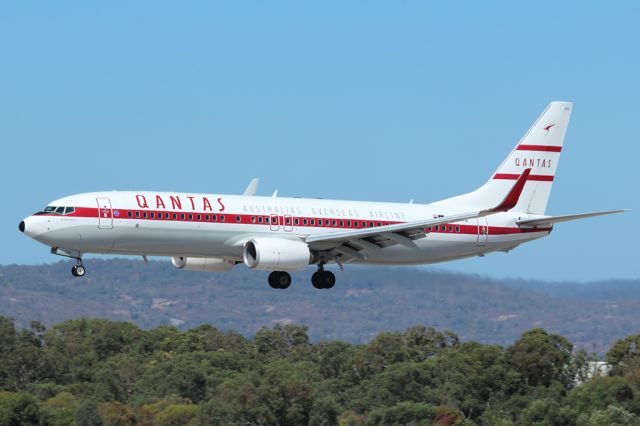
373 239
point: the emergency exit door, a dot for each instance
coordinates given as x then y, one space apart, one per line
483 231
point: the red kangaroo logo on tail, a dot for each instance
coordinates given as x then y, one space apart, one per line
547 128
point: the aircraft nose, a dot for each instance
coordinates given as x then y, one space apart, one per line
21 226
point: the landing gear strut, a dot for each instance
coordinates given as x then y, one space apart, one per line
279 279
323 279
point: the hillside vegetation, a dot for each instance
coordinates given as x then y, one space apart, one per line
364 302
100 372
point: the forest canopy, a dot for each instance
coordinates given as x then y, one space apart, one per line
101 372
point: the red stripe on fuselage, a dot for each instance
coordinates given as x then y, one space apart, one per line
284 221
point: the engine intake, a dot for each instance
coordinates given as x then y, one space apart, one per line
276 254
202 264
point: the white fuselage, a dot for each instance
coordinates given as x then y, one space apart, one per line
217 226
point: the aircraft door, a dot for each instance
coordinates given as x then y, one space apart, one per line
483 231
287 223
274 222
105 213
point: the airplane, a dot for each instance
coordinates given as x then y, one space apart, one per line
214 232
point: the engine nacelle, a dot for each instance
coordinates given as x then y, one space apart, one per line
276 254
202 264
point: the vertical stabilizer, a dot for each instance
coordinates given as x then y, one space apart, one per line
538 150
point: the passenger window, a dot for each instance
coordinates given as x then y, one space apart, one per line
167 216
182 216
137 214
152 215
129 214
305 221
348 224
267 219
260 220
342 223
450 228
190 216
335 222
221 218
206 218
296 221
214 218
253 219
379 223
144 215
313 222
238 219
457 229
443 228
175 216
287 220
198 217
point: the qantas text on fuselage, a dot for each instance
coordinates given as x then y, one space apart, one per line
216 232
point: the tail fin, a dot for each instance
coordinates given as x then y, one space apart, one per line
538 150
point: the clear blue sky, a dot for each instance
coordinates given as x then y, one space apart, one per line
357 100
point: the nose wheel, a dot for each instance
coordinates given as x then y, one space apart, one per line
78 271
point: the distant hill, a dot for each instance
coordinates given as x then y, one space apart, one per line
364 302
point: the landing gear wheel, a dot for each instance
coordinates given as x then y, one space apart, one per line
328 279
315 280
78 271
323 279
279 279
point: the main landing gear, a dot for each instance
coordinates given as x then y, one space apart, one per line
323 279
279 279
320 280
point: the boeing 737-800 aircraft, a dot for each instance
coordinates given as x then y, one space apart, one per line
213 232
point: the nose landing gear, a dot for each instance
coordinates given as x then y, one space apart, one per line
78 270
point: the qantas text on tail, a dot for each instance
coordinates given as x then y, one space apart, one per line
213 232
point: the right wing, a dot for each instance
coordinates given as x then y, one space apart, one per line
550 220
251 188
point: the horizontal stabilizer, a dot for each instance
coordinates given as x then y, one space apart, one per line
545 221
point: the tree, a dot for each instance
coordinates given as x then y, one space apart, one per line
404 413
625 355
17 409
87 414
423 342
541 358
612 415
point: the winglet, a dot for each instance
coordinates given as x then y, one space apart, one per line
251 188
512 197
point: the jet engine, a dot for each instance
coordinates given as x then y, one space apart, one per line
276 254
202 264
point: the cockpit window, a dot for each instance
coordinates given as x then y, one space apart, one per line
57 210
